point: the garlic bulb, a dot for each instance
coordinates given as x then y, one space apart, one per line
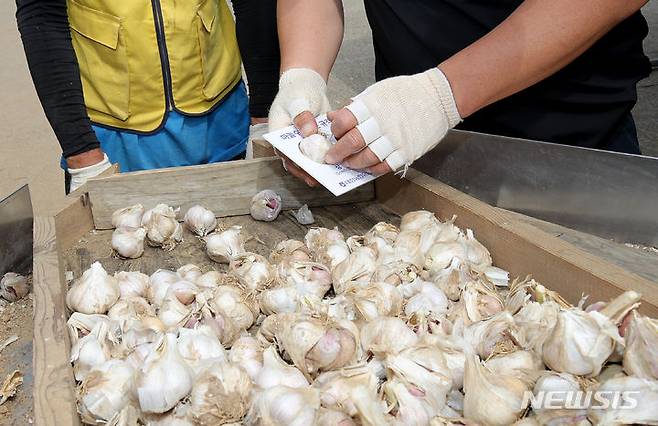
560 384
132 284
80 325
355 271
275 372
641 354
441 255
480 301
164 379
387 335
129 242
476 254
162 227
176 308
200 221
425 372
315 346
304 215
486 336
223 326
200 344
159 283
492 399
327 245
289 250
327 417
130 217
225 246
142 331
210 280
284 406
381 233
93 293
639 399
253 271
130 309
430 300
105 391
536 321
247 353
307 277
279 300
315 147
91 350
407 403
378 300
220 395
352 390
399 274
517 363
189 272
266 206
13 287
231 302
580 343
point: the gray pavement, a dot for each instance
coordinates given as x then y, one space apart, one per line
30 153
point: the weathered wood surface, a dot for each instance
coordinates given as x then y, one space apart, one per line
224 188
262 149
517 247
643 262
353 219
54 391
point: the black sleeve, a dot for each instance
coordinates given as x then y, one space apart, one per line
259 47
44 29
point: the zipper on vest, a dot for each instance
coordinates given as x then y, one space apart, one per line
164 56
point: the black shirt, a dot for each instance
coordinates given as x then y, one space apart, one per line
583 104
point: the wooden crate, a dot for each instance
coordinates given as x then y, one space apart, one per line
227 188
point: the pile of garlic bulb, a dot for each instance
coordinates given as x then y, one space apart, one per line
410 326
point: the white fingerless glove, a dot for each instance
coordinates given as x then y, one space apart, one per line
80 176
300 89
401 118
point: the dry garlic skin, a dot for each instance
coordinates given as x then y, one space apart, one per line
13 286
220 395
106 390
641 354
129 217
315 147
129 242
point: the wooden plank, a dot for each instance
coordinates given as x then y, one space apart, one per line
643 262
225 188
518 247
54 391
262 149
73 221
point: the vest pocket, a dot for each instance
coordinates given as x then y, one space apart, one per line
211 42
102 58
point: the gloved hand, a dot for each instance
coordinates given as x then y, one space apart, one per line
301 90
81 175
398 119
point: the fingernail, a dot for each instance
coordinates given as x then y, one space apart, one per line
307 129
330 159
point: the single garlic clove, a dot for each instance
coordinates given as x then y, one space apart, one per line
164 379
266 206
93 293
106 390
221 395
129 242
225 246
200 221
13 286
315 147
129 217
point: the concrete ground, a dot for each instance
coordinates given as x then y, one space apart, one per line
29 151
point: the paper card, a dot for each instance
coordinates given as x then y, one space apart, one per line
335 178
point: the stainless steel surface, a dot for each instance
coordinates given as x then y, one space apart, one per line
611 195
16 232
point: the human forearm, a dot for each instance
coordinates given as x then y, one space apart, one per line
537 40
45 32
310 34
